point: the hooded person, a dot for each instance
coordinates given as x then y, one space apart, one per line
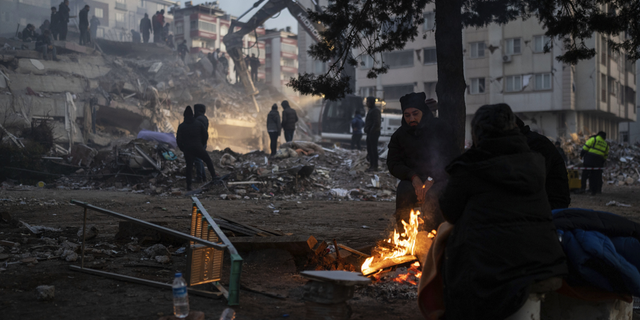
145 28
274 126
191 139
356 126
557 180
420 149
503 238
372 127
199 114
289 119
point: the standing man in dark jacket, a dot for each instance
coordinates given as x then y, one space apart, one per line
372 125
199 114
157 28
183 49
145 28
255 64
63 19
95 22
356 126
557 180
420 149
274 126
595 152
84 25
503 239
289 119
191 137
55 24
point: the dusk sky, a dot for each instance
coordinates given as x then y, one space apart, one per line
238 7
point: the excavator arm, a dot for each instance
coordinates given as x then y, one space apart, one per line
233 39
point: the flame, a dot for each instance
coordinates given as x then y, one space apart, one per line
411 277
402 243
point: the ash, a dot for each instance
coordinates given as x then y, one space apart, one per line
387 289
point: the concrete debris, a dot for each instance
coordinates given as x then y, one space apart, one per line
163 259
46 292
91 233
614 203
156 250
38 229
622 167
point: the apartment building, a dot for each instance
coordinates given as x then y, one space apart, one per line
16 14
507 64
281 62
204 26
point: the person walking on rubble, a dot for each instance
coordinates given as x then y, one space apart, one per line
255 64
356 126
224 64
372 126
199 113
54 23
95 22
289 119
157 28
503 238
183 49
274 127
145 28
63 19
135 36
191 137
84 25
420 149
595 152
557 180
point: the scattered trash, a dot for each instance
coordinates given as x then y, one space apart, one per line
614 203
46 292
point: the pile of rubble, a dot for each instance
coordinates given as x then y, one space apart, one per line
622 167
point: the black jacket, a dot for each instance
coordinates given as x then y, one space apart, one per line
145 25
43 40
273 120
424 151
373 121
199 112
63 14
557 182
54 22
504 239
191 135
29 34
289 118
84 18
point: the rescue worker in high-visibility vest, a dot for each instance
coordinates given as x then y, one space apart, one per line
595 152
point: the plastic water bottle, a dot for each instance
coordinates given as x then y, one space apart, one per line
180 297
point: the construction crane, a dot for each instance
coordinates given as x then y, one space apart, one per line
233 39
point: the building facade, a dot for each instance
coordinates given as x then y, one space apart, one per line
281 63
508 64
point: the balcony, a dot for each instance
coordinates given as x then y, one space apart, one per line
121 6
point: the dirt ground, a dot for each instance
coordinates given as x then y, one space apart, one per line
82 296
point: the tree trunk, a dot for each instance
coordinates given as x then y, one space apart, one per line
451 85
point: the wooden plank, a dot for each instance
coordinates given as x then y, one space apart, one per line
296 245
378 265
342 246
258 231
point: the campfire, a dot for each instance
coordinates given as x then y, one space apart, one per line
397 250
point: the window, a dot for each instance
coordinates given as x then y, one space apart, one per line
430 90
430 56
429 21
203 26
319 67
224 30
366 62
477 49
543 81
288 62
398 59
477 86
121 4
99 12
289 48
603 50
539 42
179 27
397 91
119 17
603 88
512 46
613 87
141 3
288 75
367 91
513 83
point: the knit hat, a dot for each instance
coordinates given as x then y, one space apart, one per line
285 104
188 113
414 100
274 106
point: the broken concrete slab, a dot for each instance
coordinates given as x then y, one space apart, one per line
82 155
98 140
72 46
90 67
49 83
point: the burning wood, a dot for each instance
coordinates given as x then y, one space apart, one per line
401 250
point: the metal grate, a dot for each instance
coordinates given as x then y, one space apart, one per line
205 263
